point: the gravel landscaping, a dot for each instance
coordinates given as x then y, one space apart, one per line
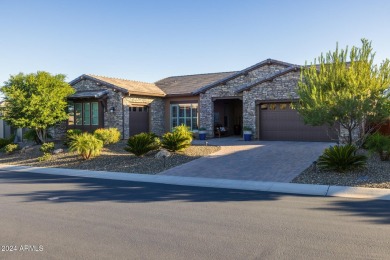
376 174
113 158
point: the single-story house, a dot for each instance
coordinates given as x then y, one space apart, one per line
258 97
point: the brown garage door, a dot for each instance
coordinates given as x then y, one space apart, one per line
139 120
278 121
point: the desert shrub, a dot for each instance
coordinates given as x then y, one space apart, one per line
378 143
142 143
44 157
10 148
341 158
47 147
108 135
70 134
86 145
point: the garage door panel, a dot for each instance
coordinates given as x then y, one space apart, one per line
287 125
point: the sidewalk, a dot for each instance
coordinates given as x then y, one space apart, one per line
292 188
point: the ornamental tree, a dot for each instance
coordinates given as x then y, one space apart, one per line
36 101
346 88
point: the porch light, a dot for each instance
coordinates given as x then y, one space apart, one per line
112 109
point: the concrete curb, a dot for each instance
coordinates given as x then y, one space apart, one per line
293 188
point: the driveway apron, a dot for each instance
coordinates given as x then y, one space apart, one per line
276 161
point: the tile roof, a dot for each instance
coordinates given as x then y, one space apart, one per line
123 85
187 84
132 86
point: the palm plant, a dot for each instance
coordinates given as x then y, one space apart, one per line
142 143
341 158
86 145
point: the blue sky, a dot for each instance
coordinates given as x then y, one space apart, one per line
149 40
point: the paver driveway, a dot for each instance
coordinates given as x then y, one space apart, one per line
278 161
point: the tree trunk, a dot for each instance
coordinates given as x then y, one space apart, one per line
41 134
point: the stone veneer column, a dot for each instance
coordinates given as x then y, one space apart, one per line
157 119
206 113
249 112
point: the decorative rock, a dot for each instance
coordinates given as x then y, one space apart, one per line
24 149
162 154
57 151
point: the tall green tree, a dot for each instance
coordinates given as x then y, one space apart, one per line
346 88
36 101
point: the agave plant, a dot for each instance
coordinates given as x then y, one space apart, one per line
341 158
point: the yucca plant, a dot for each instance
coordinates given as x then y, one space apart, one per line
378 143
341 158
108 135
86 145
142 143
70 135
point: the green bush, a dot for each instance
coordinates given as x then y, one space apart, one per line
86 145
142 143
341 158
70 134
5 141
10 148
44 157
47 147
378 143
108 135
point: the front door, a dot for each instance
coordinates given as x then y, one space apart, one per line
139 120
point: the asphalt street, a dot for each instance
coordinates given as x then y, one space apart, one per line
59 217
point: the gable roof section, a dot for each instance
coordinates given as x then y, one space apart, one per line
240 73
269 78
123 85
187 84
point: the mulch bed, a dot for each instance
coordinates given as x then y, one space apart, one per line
376 174
113 158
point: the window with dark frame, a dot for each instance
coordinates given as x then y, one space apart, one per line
83 113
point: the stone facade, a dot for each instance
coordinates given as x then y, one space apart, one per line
121 102
156 113
206 111
111 119
280 88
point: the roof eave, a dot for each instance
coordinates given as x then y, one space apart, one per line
270 78
84 76
242 72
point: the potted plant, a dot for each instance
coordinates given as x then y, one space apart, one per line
247 133
202 133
